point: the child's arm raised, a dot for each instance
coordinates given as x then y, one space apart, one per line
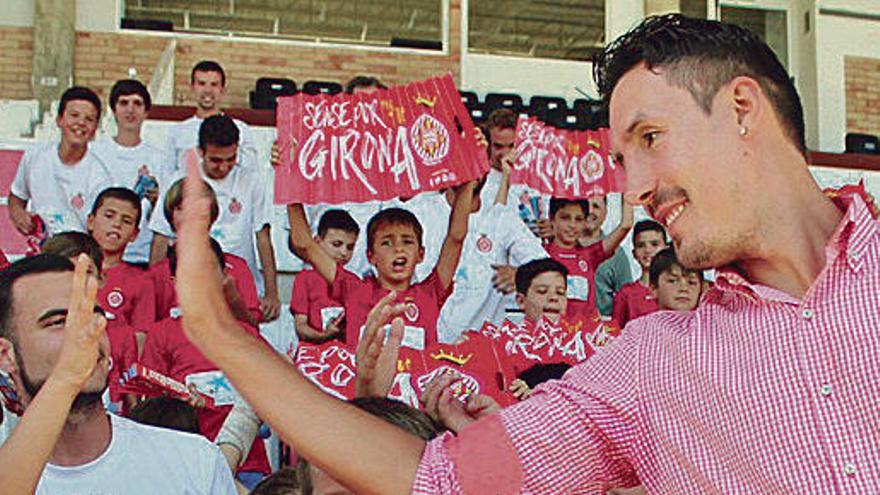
269 303
613 240
325 431
305 246
450 253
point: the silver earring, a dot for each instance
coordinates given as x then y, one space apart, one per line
744 131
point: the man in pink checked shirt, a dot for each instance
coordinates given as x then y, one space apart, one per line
770 386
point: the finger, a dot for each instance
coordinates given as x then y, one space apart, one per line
433 392
396 337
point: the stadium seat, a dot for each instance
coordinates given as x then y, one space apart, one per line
268 89
590 114
317 87
495 101
469 99
549 109
862 143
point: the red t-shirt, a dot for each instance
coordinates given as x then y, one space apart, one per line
128 296
633 300
311 297
582 263
3 261
423 302
168 351
123 352
235 266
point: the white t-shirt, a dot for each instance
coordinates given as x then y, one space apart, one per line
144 460
126 165
184 136
62 195
495 237
520 198
245 201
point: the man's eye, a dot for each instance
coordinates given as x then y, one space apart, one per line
650 137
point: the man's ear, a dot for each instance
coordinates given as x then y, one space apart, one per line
421 255
8 362
745 97
654 291
521 301
90 222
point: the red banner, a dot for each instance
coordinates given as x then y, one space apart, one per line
375 146
141 380
565 163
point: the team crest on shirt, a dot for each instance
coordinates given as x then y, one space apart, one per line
115 299
411 311
234 207
583 265
77 202
484 244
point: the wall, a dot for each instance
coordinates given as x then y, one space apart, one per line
862 82
838 39
16 58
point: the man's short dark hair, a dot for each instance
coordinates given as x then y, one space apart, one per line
526 273
701 55
500 118
72 244
285 481
207 66
122 194
663 261
557 204
174 198
76 93
165 412
648 226
337 219
218 130
42 263
126 87
392 216
363 82
215 247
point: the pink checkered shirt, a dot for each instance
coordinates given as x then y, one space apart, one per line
754 392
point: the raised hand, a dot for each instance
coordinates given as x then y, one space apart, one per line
376 359
440 404
81 350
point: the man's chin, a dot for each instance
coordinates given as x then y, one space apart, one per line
86 400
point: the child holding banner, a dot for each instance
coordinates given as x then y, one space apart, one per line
394 247
568 218
636 299
317 316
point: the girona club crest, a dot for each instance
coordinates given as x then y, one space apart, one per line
430 139
484 244
234 207
77 202
115 299
411 311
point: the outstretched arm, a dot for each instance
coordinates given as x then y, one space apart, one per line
305 246
26 451
450 253
325 431
612 242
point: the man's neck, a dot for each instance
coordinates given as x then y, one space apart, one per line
71 154
85 437
204 113
591 236
562 244
128 138
792 252
645 278
393 284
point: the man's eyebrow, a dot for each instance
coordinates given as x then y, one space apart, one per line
51 313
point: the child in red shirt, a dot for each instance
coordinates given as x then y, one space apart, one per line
168 351
317 316
127 294
676 288
238 281
394 247
568 218
636 299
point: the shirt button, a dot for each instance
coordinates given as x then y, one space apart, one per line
849 469
807 313
825 390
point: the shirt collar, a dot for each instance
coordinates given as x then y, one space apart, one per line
852 238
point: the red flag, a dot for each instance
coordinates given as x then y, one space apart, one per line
375 146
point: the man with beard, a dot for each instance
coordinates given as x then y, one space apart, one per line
769 386
56 353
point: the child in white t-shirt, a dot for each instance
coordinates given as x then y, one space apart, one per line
60 180
132 163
